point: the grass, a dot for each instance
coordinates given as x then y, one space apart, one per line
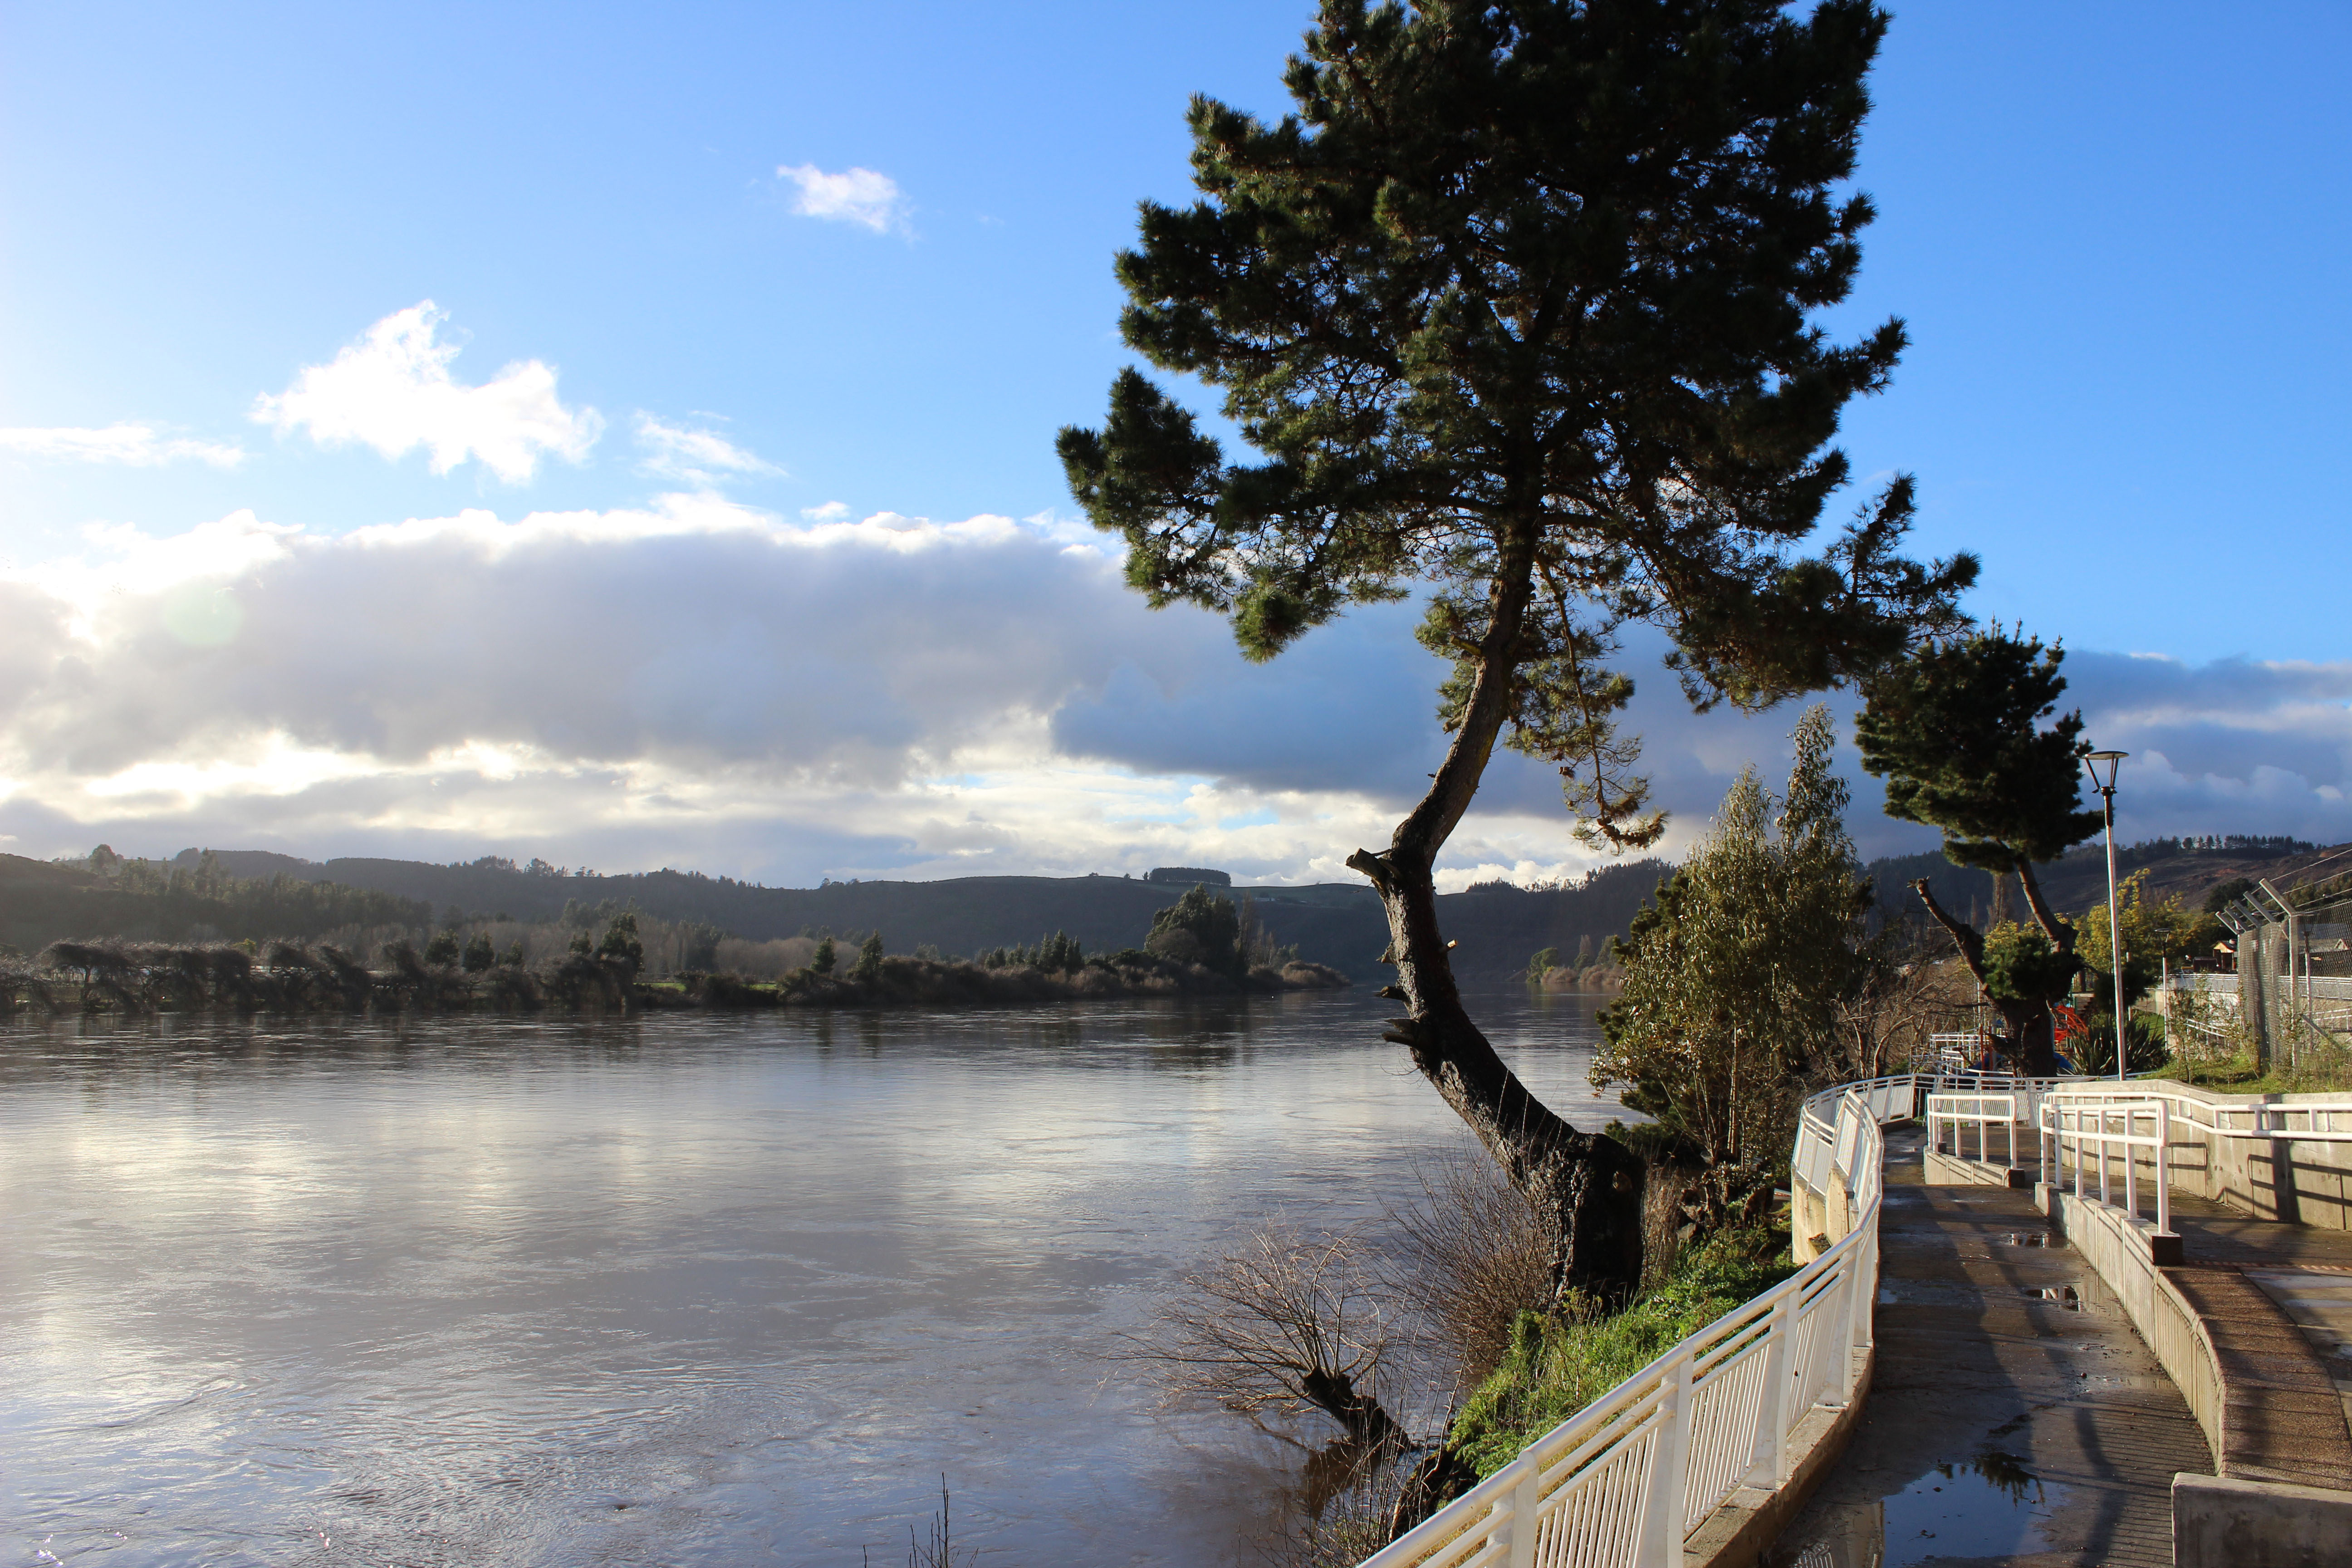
1557 1365
2240 1075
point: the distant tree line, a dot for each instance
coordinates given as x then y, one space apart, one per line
157 901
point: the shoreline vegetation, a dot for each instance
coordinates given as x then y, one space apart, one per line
1202 945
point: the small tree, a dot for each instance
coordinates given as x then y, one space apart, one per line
442 949
1956 730
1517 313
1734 978
479 953
823 962
622 953
2153 932
868 967
1201 928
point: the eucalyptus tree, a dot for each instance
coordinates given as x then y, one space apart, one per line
1736 976
1515 311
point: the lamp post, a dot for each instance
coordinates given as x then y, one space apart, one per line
2103 765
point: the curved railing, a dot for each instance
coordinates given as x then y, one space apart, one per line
1626 1480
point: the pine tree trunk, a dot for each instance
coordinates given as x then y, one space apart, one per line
2033 1051
1588 1185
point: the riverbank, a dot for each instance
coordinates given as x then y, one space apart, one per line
143 978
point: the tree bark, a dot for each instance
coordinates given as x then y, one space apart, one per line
1588 1186
2059 933
1362 1416
2033 1049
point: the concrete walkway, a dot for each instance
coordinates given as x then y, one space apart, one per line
2014 1417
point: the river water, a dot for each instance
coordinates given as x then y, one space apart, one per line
689 1288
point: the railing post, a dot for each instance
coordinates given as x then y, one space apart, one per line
1862 1287
2076 1114
1526 1498
1661 1515
2106 1116
1769 1468
2163 1169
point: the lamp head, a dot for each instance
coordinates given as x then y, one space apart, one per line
2103 765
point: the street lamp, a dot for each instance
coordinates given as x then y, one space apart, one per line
2103 765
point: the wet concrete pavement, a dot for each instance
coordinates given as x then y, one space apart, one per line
2014 1416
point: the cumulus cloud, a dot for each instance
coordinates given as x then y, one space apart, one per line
131 446
697 457
699 682
2237 745
392 390
854 195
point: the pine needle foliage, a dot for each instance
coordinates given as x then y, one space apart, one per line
1514 308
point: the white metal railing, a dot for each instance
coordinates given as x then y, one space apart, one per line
1983 1111
1959 1053
2099 1125
1623 1483
2110 1123
2202 983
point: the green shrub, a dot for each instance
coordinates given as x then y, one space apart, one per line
1557 1365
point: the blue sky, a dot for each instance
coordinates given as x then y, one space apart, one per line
2118 233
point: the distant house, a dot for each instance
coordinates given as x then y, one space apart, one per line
1185 876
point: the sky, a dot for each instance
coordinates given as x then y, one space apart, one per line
624 434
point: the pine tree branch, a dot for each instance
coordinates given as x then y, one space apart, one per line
2053 925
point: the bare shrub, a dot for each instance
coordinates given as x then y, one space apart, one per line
1289 1323
1904 993
765 959
1471 1254
1342 1528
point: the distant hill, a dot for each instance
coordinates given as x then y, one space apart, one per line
1498 927
2190 867
42 901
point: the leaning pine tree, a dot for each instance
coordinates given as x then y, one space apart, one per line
1515 312
1956 730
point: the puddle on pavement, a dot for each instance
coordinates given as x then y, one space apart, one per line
2065 1296
1992 1506
2027 1239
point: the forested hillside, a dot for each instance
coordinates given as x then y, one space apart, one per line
1499 926
235 894
145 900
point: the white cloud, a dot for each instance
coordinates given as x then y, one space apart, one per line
831 512
701 683
695 456
392 391
133 446
854 195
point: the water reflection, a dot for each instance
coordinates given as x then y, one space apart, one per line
1991 1506
678 1289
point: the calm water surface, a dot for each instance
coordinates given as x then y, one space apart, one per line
688 1289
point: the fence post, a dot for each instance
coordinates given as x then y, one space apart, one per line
1526 1498
2131 1163
1770 1468
1661 1517
1858 1303
2163 1169
2106 1115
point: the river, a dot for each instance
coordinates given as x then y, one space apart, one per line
689 1288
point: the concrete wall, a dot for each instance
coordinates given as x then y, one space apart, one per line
2219 1523
2302 1181
1817 1221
